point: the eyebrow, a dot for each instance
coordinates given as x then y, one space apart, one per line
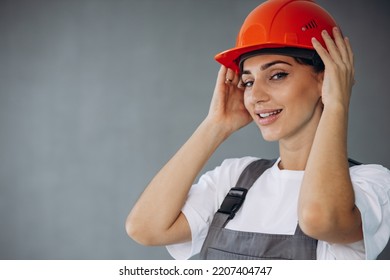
267 65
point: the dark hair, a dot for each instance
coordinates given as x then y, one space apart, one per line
302 56
316 63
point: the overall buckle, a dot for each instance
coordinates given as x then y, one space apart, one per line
233 201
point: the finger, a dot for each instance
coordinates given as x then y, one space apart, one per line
349 50
229 76
351 59
221 75
322 52
330 45
340 44
236 79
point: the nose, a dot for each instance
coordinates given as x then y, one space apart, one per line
258 93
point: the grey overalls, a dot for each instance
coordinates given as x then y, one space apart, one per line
225 244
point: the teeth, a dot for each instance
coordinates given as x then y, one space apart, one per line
265 115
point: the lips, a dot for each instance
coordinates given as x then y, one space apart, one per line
267 117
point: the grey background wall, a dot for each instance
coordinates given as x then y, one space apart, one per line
95 96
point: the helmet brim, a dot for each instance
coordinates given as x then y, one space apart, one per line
234 57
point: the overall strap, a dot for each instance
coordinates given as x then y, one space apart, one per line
236 196
353 162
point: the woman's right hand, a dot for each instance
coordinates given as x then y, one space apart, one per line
227 107
156 218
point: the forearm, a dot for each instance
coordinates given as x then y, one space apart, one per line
156 218
327 201
160 204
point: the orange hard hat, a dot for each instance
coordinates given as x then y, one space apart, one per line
283 25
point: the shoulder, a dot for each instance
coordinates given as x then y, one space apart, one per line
238 162
369 169
218 181
231 167
368 176
371 184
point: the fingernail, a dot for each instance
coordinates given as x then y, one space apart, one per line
335 29
324 32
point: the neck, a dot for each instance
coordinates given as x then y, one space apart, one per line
294 158
294 151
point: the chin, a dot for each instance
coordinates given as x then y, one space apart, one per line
270 137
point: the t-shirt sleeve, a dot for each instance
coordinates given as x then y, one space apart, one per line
372 197
203 201
197 210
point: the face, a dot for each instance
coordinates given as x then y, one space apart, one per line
282 96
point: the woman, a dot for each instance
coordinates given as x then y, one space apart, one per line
292 73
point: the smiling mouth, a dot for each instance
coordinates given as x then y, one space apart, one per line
266 115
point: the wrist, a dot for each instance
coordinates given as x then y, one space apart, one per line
217 131
336 108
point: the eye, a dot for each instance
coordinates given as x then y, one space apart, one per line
246 84
279 76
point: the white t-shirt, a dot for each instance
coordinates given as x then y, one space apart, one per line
271 207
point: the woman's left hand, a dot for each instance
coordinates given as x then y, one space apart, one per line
339 68
327 208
